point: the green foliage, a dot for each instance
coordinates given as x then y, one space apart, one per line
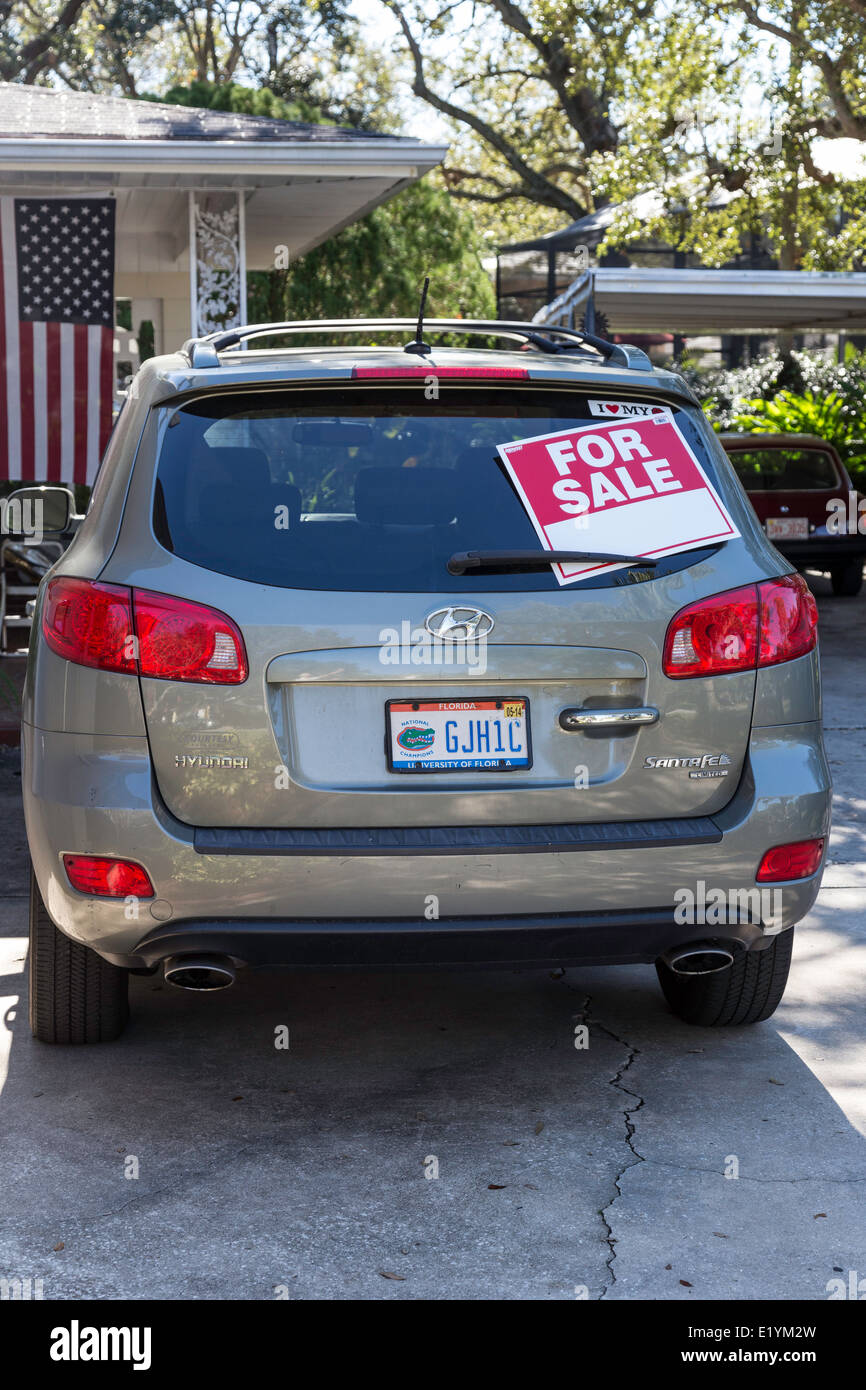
831 403
788 413
248 101
146 340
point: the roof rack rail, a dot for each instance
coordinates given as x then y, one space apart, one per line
204 351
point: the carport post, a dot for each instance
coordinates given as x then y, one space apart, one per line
193 269
242 259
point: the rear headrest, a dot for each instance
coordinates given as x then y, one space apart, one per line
237 467
253 509
406 496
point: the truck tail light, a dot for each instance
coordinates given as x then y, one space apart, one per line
135 630
758 625
784 862
102 877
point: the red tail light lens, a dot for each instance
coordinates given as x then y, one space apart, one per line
798 860
90 624
181 641
713 635
131 630
107 878
758 625
789 619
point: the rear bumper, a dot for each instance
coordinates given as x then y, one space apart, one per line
823 552
494 895
601 938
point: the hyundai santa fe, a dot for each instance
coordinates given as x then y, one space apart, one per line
409 655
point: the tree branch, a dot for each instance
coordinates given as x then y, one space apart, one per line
537 187
583 108
38 53
850 123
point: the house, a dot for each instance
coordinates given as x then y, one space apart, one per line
201 196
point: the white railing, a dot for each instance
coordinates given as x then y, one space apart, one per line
561 312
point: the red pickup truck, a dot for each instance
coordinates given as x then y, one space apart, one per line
797 484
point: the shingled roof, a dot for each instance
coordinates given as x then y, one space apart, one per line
43 113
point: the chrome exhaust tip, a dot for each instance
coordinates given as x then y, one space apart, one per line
199 972
698 958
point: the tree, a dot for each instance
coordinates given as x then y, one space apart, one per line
738 164
31 37
559 107
830 37
103 45
531 84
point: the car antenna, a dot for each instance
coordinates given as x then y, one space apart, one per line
419 346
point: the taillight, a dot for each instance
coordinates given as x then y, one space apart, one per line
102 877
90 624
713 635
797 860
758 625
131 630
789 619
182 641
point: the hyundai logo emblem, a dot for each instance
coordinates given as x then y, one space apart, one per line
459 624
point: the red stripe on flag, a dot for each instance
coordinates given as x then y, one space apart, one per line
54 422
80 403
25 364
4 402
106 387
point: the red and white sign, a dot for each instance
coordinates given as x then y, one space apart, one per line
627 489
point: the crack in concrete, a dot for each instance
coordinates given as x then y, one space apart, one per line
630 1129
584 1015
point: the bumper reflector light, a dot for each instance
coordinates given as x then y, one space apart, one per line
101 877
784 862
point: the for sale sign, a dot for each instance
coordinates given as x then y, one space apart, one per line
627 489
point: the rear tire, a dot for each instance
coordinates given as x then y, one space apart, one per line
75 995
847 580
748 991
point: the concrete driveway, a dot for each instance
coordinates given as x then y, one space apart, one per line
194 1159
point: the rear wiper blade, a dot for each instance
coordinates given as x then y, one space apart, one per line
465 560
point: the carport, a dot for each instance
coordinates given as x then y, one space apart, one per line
693 302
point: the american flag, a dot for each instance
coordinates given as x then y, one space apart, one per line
56 337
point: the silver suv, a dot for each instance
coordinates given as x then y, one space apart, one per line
396 656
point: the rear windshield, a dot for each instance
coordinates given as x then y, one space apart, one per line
363 489
785 470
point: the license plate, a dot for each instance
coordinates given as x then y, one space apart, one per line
788 528
458 735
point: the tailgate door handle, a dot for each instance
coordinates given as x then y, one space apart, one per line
572 720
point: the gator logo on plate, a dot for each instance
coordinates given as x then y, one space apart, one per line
415 737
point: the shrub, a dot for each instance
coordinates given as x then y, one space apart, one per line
803 394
